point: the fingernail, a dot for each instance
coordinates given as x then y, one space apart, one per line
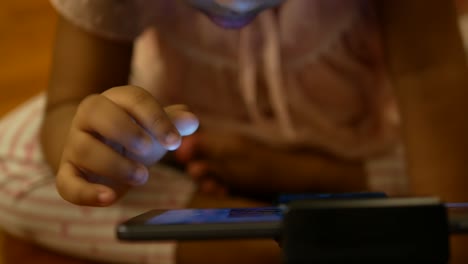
140 177
172 141
187 125
105 197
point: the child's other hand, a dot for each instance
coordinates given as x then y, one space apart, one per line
218 161
112 138
221 161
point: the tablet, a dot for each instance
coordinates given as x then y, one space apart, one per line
203 224
227 223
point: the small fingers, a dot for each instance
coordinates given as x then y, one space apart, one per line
75 189
98 114
188 150
185 121
142 106
198 169
90 154
202 173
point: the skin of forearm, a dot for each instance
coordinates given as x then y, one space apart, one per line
82 64
329 174
428 65
427 62
54 131
299 172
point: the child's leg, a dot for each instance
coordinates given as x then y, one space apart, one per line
30 206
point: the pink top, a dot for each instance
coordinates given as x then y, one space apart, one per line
310 74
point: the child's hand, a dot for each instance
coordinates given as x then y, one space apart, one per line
205 154
112 138
220 162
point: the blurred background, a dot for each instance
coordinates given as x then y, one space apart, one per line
26 37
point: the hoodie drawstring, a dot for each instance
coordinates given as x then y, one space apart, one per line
272 72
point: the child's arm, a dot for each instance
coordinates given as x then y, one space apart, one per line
428 66
430 75
248 166
83 64
98 137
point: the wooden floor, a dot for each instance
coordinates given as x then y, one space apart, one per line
26 35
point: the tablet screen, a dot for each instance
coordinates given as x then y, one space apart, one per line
233 215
